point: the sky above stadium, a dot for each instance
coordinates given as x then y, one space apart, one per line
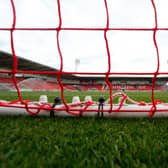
131 51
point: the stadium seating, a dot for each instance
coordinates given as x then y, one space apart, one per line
69 87
40 84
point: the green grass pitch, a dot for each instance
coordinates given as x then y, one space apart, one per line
83 142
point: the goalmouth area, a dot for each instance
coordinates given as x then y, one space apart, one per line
81 82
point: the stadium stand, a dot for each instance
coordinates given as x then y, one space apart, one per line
71 82
69 87
38 84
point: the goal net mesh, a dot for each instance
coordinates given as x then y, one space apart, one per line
108 41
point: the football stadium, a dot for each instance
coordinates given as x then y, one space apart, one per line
83 84
73 85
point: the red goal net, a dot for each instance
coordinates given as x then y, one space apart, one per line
107 31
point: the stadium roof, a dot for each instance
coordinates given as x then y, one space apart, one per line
6 62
